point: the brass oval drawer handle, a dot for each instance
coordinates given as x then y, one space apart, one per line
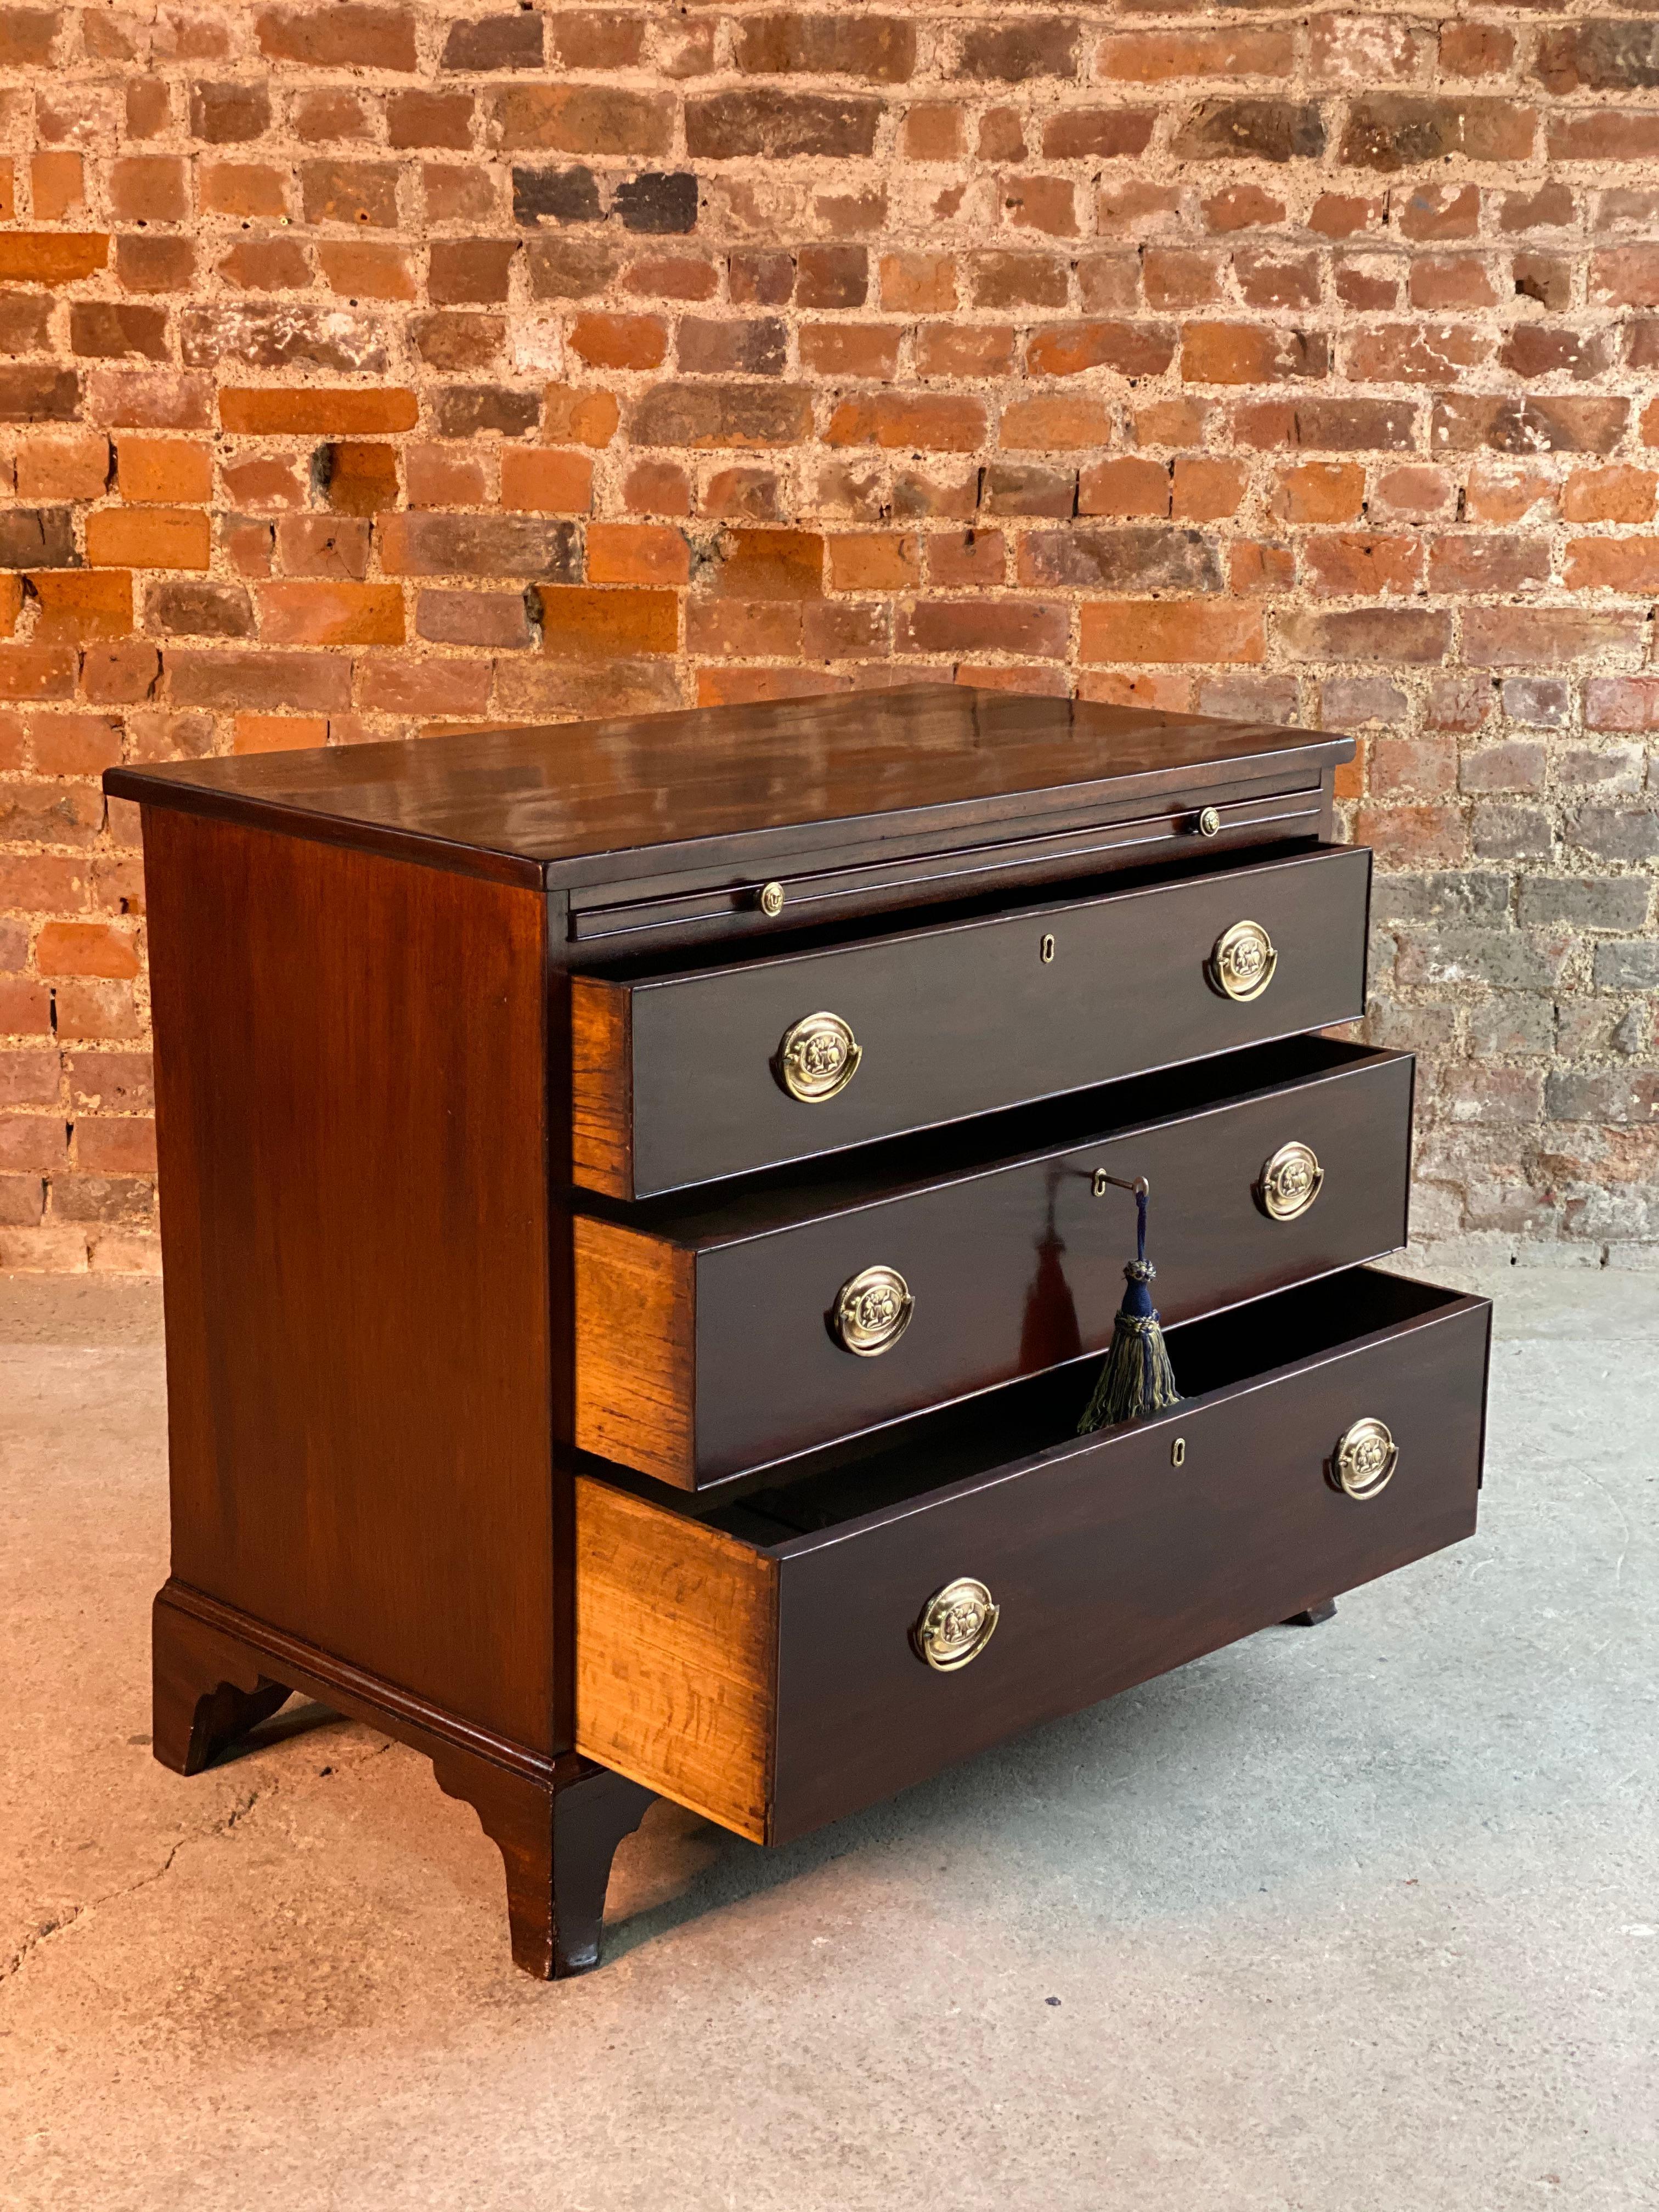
1290 1183
818 1057
1240 965
1365 1458
955 1625
872 1311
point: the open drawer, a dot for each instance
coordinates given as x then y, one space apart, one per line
687 1074
782 1661
724 1330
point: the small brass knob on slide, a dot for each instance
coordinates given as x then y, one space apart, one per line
1365 1458
1240 965
872 1311
770 900
1289 1182
818 1057
1209 822
955 1625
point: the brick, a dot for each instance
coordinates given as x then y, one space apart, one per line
322 545
499 41
1464 422
713 416
149 538
356 192
433 118
1398 131
871 349
1488 564
592 120
1164 631
636 553
580 623
1619 493
1251 130
163 472
1014 52
79 606
228 114
874 561
37 538
424 687
1034 629
1166 57
1120 559
193 609
1522 637
290 336
1098 134
348 35
757 565
1319 491
1632 966
272 412
1628 565
261 681
544 481
427 544
51 256
880 49
1406 636
597 39
1134 350
496 619
1599 56
251 190
1357 52
1582 903
1125 487
85 948
1315 425
1251 353
783 126
1346 566
153 264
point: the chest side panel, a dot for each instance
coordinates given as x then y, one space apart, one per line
351 1116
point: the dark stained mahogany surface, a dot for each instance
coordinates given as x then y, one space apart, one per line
567 802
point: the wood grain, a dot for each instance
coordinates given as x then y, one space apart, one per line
676 1635
635 1350
1014 1264
601 1108
586 801
351 1118
961 1018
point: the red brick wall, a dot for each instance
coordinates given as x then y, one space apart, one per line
365 367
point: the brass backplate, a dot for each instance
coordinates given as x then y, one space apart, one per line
955 1625
818 1057
1365 1458
872 1311
1240 965
1290 1183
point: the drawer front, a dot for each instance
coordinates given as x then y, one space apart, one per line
695 1365
778 1686
685 1078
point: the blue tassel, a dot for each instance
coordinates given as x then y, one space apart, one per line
1137 1378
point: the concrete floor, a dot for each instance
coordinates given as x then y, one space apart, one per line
1339 1920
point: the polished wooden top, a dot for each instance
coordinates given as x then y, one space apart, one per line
576 802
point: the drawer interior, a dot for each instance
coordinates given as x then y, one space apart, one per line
1031 1418
757 1660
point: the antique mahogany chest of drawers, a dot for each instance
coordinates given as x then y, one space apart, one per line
639 1235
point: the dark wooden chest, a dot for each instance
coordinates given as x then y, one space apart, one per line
641 1217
